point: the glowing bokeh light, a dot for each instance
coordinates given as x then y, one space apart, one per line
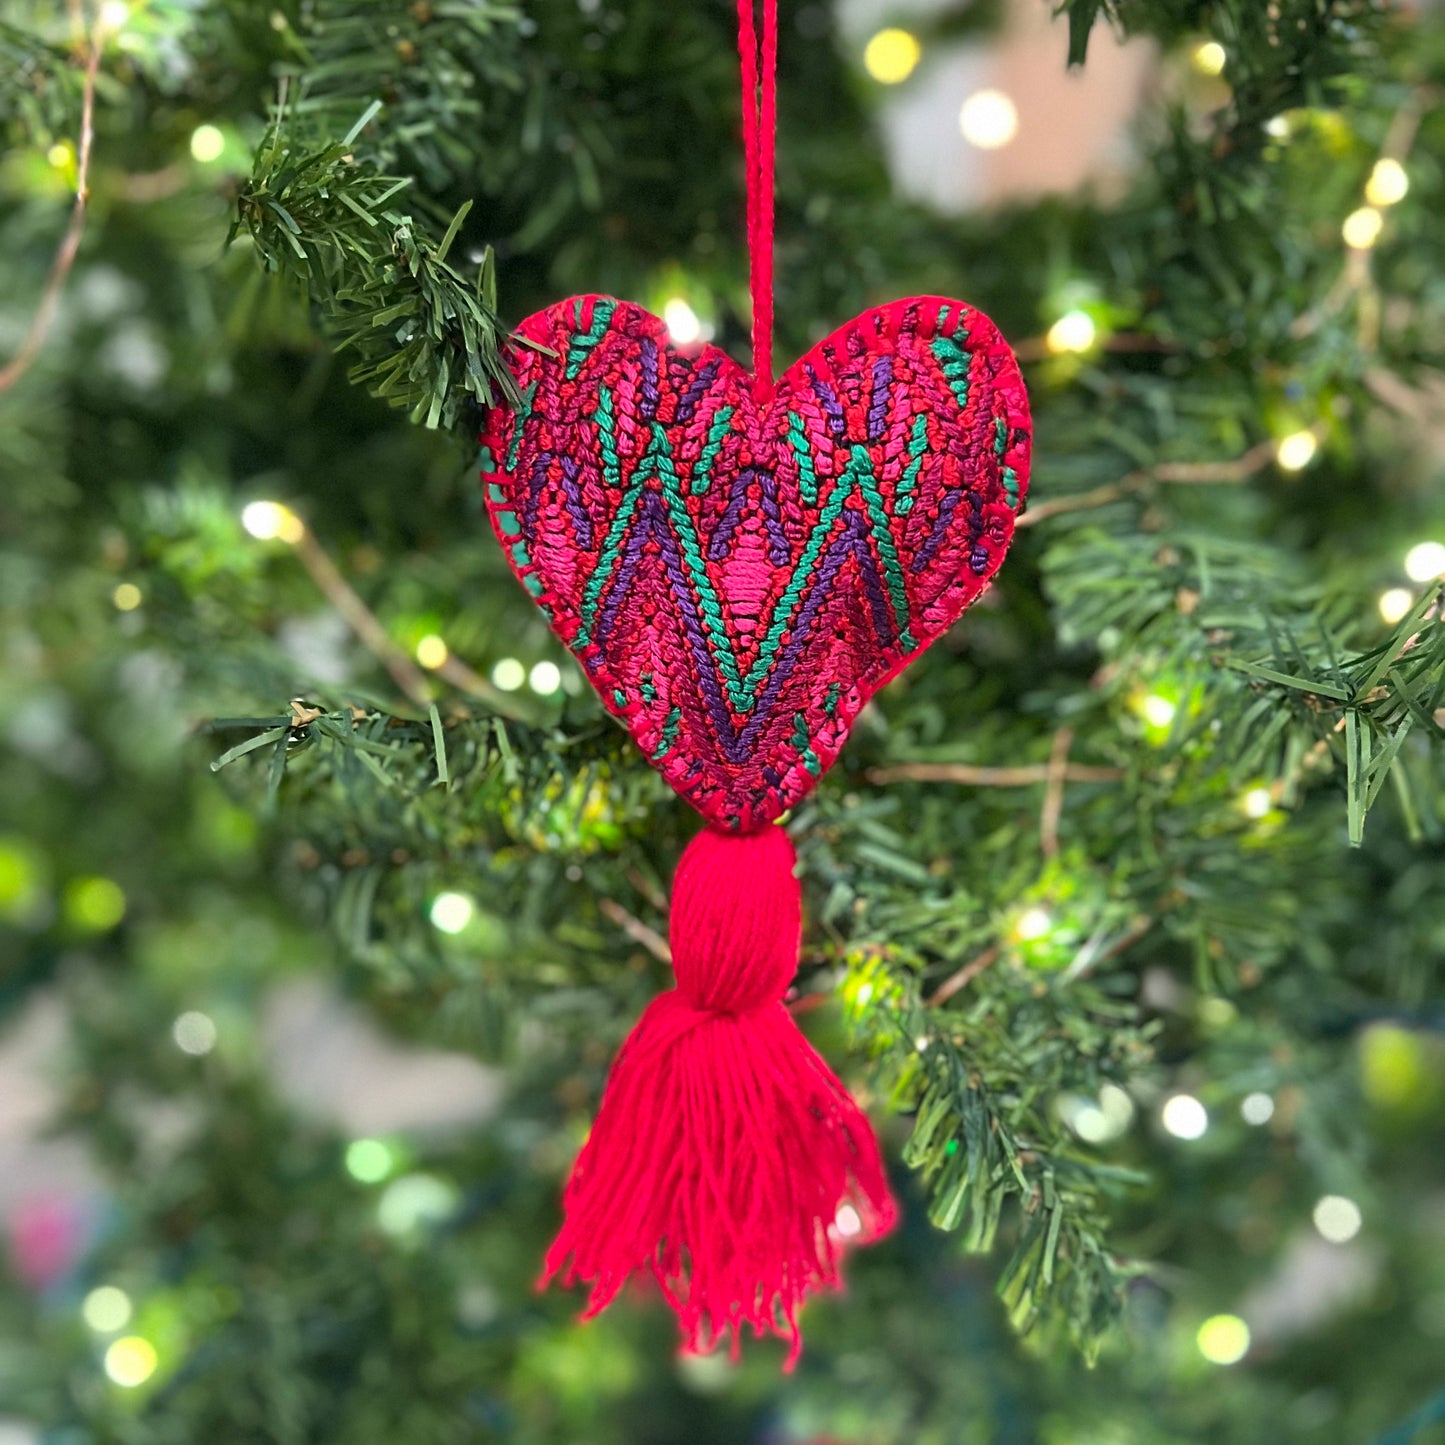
106 1309
114 14
1338 1219
194 1033
1223 1339
207 143
1388 183
1210 58
1033 924
1425 561
892 55
1362 228
1074 331
1184 1117
1157 711
368 1161
432 651
508 674
451 912
848 1222
266 521
1257 803
414 1202
682 322
131 1361
1257 1108
988 119
1296 451
545 678
1395 603
95 904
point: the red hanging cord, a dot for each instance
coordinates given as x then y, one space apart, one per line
760 125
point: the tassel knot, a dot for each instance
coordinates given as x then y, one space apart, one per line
725 1149
736 920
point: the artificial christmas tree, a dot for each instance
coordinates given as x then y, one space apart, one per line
1123 905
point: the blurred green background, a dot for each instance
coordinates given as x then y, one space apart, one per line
300 1038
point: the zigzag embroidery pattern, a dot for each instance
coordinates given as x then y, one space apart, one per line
738 579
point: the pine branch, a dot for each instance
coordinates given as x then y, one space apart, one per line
423 337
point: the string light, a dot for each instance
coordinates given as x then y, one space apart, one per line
1338 1219
1395 603
432 651
106 1309
848 1222
1257 1109
682 322
1106 1120
127 597
131 1361
266 521
1362 228
194 1033
1184 1117
545 678
95 904
1296 451
891 56
415 1201
1257 803
1033 923
1156 710
368 1161
1425 561
451 912
1209 58
1074 331
988 119
1388 183
508 675
207 143
1223 1339
114 14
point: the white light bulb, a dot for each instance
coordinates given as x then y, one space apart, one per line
1388 183
545 678
1338 1219
1362 228
1395 603
1184 1117
1033 923
1074 331
989 119
1425 561
682 322
508 674
451 912
1296 451
1257 1109
194 1033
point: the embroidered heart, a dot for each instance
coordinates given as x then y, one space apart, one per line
738 578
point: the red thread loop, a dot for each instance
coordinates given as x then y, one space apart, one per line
760 126
727 1158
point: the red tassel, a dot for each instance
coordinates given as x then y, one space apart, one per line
725 1148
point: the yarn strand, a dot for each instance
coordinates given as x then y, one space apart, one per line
726 1150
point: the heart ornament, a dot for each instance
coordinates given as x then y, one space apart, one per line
739 576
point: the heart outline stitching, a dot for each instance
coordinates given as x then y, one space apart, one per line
620 451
